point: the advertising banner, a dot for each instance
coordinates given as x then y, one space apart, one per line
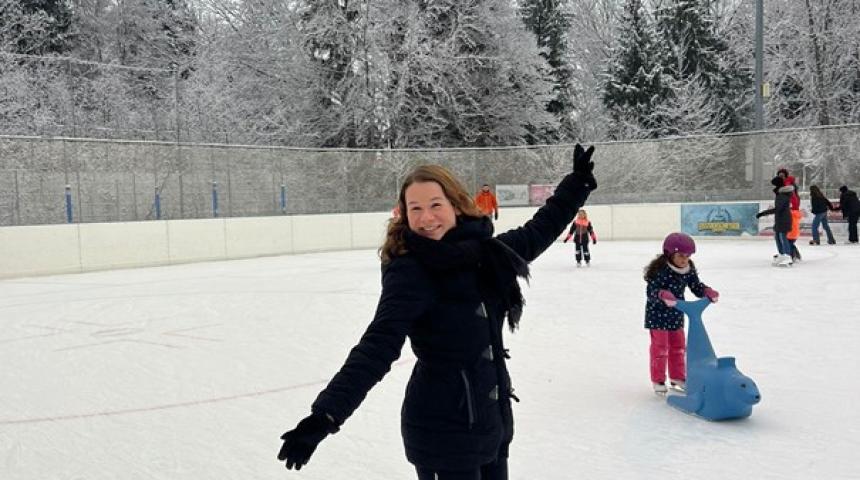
727 220
539 193
512 195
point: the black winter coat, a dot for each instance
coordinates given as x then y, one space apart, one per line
820 204
849 204
456 414
781 210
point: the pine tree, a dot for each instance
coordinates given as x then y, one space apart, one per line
633 85
547 20
691 48
38 27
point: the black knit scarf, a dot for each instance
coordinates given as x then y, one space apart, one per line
470 245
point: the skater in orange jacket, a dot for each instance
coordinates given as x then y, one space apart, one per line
486 202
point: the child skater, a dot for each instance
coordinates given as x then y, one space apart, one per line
580 230
667 277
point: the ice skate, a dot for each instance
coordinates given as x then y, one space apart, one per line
678 385
659 388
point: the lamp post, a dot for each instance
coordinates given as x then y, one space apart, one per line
758 176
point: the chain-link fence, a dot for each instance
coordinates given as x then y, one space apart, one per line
57 180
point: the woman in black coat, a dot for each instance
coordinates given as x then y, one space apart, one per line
448 285
782 219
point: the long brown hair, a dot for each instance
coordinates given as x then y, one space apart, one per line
657 263
815 192
455 192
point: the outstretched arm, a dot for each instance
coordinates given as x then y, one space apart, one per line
406 295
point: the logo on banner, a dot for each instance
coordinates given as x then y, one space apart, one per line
719 221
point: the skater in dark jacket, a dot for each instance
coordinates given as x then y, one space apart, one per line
668 275
794 233
782 220
820 206
448 285
850 206
581 231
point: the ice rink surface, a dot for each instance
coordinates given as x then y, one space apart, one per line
194 371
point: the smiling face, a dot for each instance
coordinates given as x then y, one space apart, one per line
428 211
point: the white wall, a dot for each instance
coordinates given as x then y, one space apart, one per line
39 250
54 249
119 245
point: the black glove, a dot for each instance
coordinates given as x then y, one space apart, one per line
300 443
497 215
583 166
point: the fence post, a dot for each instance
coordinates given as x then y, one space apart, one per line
214 198
181 197
17 200
68 204
229 192
157 204
118 206
283 198
134 196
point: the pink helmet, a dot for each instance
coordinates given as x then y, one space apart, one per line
678 242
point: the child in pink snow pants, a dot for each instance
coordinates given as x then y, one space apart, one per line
667 276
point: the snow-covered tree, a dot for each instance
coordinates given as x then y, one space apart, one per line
466 73
547 19
36 27
691 47
633 87
813 63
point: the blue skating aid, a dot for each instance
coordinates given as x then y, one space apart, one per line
716 390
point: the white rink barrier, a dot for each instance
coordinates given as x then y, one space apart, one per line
56 249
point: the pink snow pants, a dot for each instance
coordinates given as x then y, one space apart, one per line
668 345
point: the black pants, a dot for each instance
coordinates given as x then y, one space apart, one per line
852 227
582 251
497 470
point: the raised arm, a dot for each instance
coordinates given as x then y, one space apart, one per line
531 239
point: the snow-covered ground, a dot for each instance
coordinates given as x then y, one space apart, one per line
194 371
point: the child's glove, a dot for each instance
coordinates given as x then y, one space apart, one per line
568 237
667 297
497 216
712 294
594 239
